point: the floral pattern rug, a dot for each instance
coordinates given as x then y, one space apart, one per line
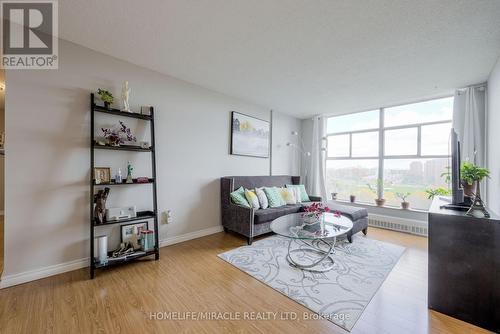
339 295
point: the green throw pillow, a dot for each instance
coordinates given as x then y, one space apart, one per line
274 198
238 197
302 189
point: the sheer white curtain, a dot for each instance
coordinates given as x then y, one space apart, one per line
469 114
316 178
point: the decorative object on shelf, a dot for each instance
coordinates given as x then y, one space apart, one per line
352 198
126 248
118 135
334 196
146 110
121 213
132 233
249 136
314 212
100 205
125 97
470 175
118 176
106 97
142 179
403 196
148 241
380 201
102 175
130 169
145 144
102 249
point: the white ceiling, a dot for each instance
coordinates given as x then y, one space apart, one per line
296 56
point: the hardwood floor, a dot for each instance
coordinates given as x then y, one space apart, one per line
190 277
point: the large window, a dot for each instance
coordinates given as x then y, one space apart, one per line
387 151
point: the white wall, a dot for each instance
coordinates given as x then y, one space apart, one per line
48 119
493 138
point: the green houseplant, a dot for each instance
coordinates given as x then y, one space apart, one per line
471 175
106 97
433 192
379 201
404 203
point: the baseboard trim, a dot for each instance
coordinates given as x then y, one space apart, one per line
36 274
33 275
190 236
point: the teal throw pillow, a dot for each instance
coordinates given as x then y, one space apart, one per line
238 197
274 198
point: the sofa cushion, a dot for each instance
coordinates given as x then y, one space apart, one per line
274 197
238 197
304 197
264 204
351 212
265 215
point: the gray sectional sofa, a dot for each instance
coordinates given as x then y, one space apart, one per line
250 222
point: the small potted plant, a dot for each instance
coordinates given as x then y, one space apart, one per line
405 205
352 198
433 192
379 201
106 97
117 136
471 175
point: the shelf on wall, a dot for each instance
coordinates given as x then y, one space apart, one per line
130 258
141 215
123 148
118 112
150 180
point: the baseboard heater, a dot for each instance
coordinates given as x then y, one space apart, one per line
398 224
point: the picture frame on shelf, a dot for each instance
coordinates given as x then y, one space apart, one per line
102 175
132 233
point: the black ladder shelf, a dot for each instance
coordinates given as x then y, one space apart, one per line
142 215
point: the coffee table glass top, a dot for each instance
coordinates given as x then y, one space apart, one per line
293 226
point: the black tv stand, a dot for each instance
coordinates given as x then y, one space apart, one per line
464 266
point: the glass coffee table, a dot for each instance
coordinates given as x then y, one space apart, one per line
316 240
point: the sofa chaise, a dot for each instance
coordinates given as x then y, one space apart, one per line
250 222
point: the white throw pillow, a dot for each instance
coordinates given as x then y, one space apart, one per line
296 193
261 195
288 196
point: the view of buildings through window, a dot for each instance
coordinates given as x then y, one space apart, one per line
401 149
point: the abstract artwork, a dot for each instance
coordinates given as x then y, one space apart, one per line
249 136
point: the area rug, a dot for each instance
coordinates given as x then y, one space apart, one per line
339 295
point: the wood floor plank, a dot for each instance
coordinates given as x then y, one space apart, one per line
189 277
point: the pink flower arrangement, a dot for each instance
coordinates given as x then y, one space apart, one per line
315 210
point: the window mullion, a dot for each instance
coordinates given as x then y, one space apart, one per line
381 140
350 145
419 141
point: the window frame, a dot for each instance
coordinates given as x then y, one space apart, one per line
381 137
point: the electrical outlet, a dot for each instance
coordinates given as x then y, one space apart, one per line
167 217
